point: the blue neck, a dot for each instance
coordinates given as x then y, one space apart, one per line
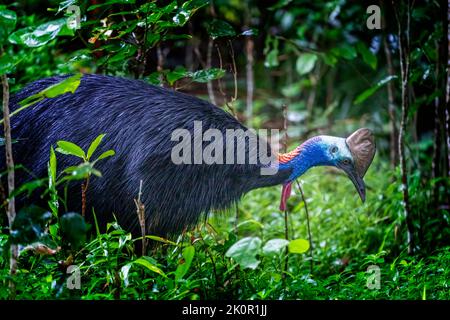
311 155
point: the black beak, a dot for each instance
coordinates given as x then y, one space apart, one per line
357 181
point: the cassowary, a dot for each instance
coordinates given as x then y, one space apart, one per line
138 120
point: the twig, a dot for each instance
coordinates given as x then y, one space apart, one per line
222 92
140 210
391 105
249 77
286 214
11 211
309 227
234 72
160 65
84 187
209 84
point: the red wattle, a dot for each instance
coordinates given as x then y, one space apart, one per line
285 194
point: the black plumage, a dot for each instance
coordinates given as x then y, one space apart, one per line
138 120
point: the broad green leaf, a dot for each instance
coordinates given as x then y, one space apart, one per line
176 74
7 63
271 52
70 148
74 229
150 266
81 171
219 28
181 17
53 202
298 246
41 35
28 187
345 51
52 165
369 92
8 21
30 225
183 267
244 252
67 85
367 55
207 75
305 63
271 60
94 145
274 246
330 59
106 154
152 39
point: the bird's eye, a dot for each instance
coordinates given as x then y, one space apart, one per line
333 149
346 161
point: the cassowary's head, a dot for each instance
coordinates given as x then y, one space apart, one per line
353 155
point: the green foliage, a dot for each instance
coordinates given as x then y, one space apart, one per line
86 168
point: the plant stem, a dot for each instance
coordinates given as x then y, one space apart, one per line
308 226
11 209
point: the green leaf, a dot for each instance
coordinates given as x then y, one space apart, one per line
8 63
53 202
367 55
219 28
30 225
94 145
183 267
274 246
70 148
369 92
73 229
67 85
41 35
152 39
81 171
144 261
305 63
298 246
28 187
8 21
207 75
176 74
271 60
106 154
345 51
160 239
244 252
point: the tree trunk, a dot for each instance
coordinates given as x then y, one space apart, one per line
403 36
391 106
11 211
447 87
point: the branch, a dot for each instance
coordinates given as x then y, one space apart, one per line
11 210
